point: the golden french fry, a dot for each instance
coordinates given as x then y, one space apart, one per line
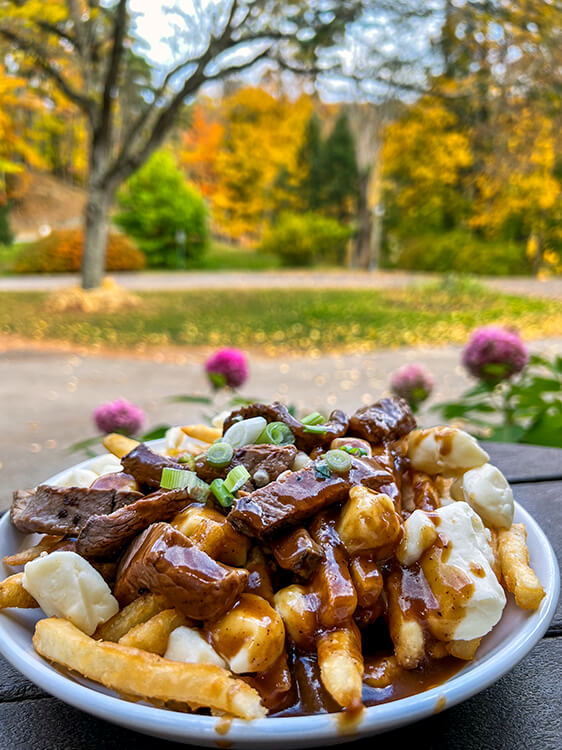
119 445
382 672
138 611
13 594
202 432
153 634
463 649
341 665
211 532
47 544
131 671
405 631
519 577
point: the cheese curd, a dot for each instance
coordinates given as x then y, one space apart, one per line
444 450
465 567
188 645
419 535
66 585
98 467
175 441
487 491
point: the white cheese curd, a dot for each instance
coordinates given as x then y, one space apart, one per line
66 585
444 450
175 440
76 478
105 464
487 492
218 420
188 645
470 551
419 535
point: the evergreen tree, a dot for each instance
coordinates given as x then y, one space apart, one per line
311 161
341 183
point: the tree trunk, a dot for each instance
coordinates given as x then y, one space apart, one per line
95 239
360 258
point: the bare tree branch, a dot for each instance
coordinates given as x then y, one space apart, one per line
41 57
119 32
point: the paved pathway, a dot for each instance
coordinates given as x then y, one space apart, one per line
47 396
276 280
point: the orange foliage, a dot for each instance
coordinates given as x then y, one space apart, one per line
61 252
200 146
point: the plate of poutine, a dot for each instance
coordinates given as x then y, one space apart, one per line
271 581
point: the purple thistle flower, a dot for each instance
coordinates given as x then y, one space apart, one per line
413 383
119 416
494 354
227 367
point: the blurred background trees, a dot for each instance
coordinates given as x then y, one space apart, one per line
432 156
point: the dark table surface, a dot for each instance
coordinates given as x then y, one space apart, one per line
522 710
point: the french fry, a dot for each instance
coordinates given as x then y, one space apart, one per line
463 649
138 611
119 445
382 672
202 432
341 665
153 634
519 577
134 672
47 544
405 631
13 594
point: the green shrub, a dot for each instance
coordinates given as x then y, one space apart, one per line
457 251
306 239
61 252
165 215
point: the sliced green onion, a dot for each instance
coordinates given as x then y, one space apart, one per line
314 418
354 450
236 478
316 429
322 471
219 454
225 498
338 461
276 433
188 460
244 432
182 479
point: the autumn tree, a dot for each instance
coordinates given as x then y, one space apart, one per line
82 47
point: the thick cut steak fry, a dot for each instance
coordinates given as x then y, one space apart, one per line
165 562
387 419
104 536
301 494
63 511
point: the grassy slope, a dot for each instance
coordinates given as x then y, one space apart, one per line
277 320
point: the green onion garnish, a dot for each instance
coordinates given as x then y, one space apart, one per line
244 432
338 461
314 418
317 429
188 460
354 450
219 454
322 471
236 478
276 433
182 479
225 498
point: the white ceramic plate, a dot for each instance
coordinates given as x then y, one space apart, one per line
501 650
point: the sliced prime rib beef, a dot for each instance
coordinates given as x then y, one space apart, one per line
104 536
146 466
303 493
64 510
336 426
387 419
166 562
271 459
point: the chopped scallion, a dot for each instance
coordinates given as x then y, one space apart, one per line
314 418
219 454
354 450
322 471
225 498
184 479
236 478
338 461
276 433
316 429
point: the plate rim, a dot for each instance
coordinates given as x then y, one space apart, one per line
319 729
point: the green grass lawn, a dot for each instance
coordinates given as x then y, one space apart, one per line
276 320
